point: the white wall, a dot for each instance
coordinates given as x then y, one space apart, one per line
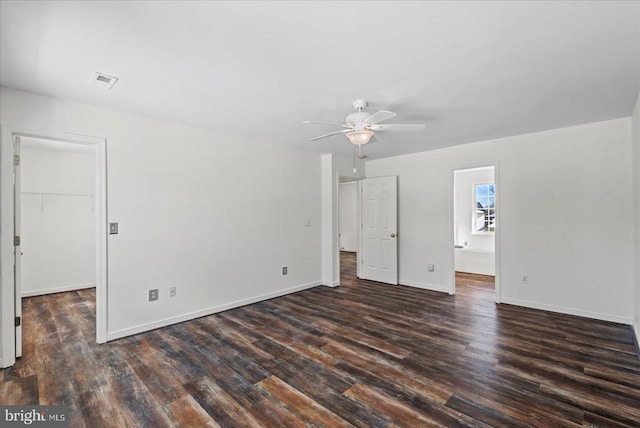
575 264
58 219
635 144
348 216
215 215
475 261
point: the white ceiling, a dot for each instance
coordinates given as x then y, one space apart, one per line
469 70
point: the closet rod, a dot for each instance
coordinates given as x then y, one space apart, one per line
59 194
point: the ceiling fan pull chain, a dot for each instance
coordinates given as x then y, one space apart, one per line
354 158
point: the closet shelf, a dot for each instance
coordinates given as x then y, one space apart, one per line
43 194
58 194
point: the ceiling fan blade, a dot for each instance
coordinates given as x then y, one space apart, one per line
398 127
330 134
325 123
380 116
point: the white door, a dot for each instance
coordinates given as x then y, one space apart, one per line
17 249
379 261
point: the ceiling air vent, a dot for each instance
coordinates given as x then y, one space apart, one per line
104 80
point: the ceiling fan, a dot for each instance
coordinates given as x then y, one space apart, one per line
360 126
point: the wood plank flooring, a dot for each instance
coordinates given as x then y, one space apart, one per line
363 354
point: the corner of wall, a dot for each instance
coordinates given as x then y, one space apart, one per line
326 175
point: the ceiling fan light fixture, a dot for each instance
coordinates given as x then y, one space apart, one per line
360 137
360 125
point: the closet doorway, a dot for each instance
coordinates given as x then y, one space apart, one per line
58 215
475 223
348 227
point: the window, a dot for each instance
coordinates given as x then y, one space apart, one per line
484 216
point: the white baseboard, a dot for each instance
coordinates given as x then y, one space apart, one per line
204 312
568 311
424 286
636 331
331 284
57 290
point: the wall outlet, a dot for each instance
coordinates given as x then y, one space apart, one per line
525 278
172 291
153 294
113 228
431 267
284 270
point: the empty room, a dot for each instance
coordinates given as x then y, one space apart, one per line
310 213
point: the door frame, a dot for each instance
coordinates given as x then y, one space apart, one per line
452 231
7 291
17 248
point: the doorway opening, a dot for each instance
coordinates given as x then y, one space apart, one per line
475 226
348 227
58 216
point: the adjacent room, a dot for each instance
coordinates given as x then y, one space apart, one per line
475 217
371 213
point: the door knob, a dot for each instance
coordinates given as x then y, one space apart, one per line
393 235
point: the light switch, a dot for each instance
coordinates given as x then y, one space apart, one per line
113 228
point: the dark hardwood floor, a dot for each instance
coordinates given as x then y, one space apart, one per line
363 354
481 287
